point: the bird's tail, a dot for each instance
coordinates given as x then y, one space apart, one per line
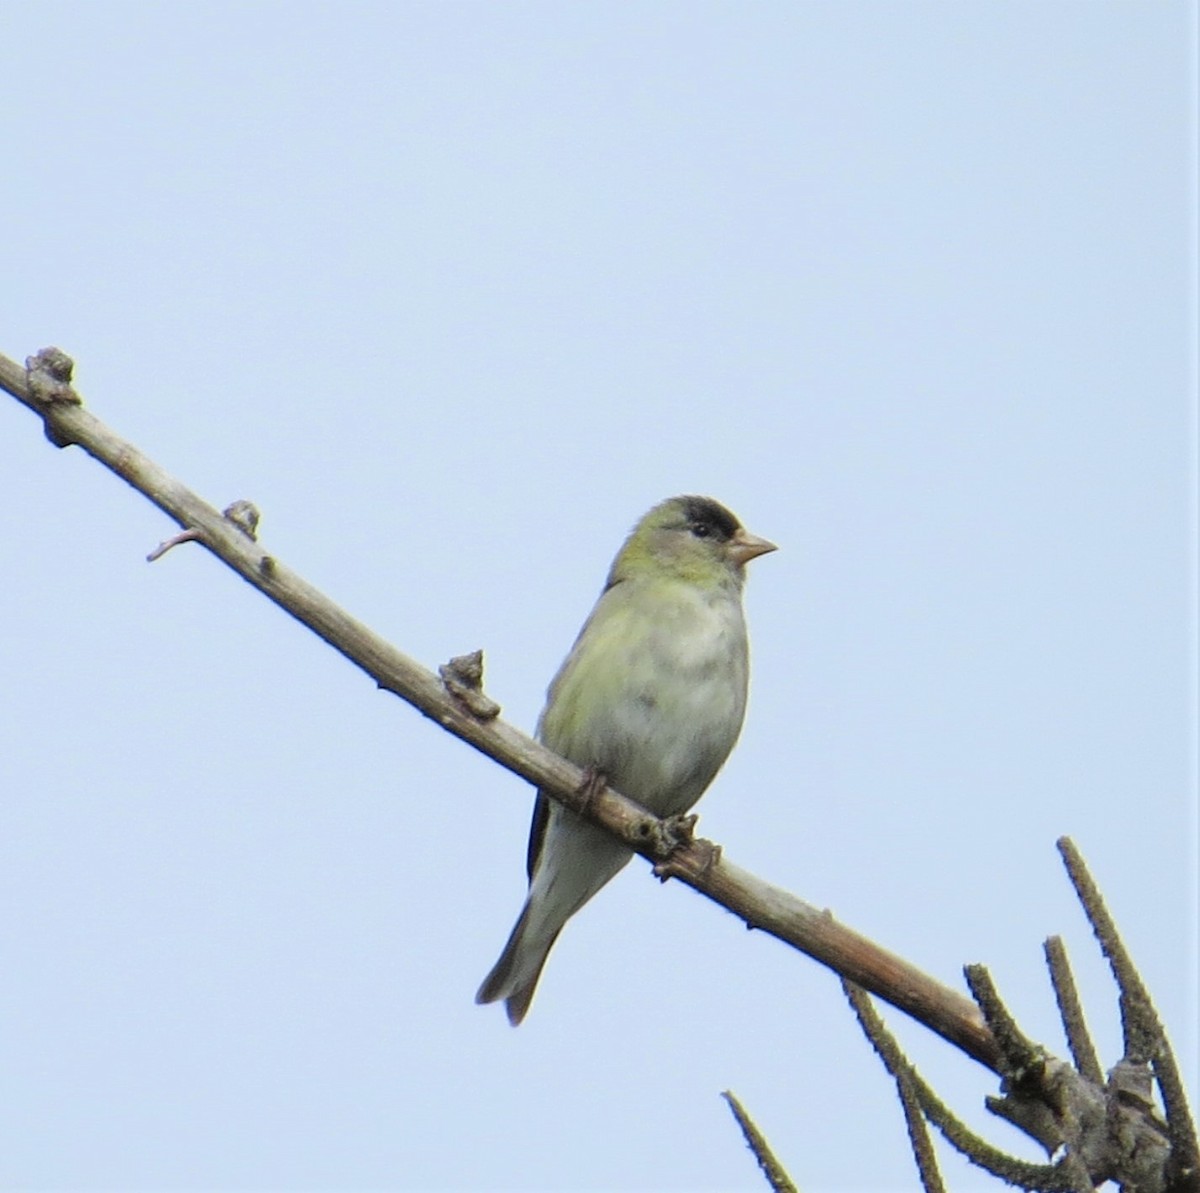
514 977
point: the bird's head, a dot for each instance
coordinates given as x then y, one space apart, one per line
695 539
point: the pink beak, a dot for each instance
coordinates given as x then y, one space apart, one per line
744 547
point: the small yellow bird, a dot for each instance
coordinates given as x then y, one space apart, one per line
652 697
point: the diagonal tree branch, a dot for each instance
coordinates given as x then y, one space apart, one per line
455 702
1046 1097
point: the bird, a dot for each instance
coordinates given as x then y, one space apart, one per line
650 700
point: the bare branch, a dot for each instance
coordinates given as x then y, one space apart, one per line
1111 1132
1022 1058
1079 1040
899 1066
918 1136
1145 1036
1138 1020
976 1149
762 906
775 1173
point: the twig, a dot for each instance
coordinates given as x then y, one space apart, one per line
918 1136
1023 1060
243 514
1079 1040
1111 1132
1139 1023
1145 1036
463 677
906 1078
976 1149
775 1173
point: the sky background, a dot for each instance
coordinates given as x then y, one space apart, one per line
454 292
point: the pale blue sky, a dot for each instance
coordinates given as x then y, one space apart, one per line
454 292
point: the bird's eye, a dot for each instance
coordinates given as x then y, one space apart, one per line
701 530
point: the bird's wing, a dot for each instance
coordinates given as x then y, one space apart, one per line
537 832
615 593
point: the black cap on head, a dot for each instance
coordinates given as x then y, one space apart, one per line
716 520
